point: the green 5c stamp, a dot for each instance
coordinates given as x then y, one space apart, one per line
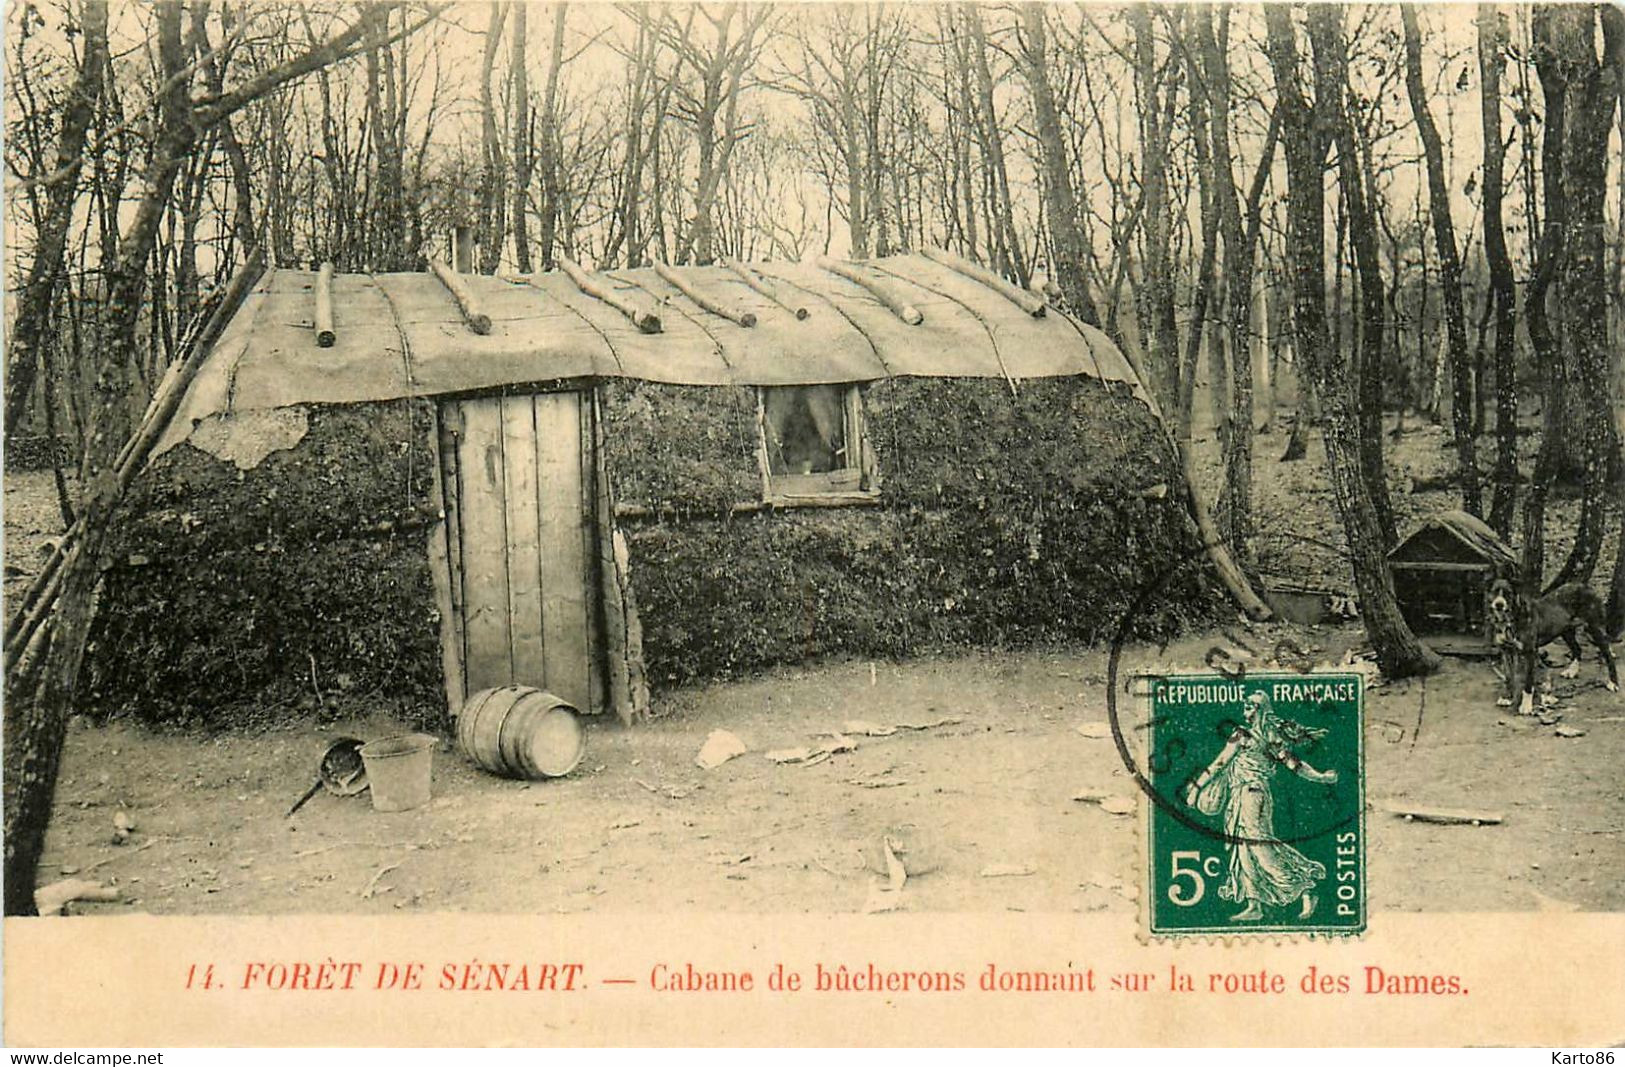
1257 792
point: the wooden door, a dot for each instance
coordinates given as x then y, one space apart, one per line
518 487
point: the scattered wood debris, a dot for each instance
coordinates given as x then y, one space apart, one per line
1444 816
1111 803
946 720
890 896
720 747
54 899
807 756
372 889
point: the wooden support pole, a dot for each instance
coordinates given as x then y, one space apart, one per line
324 307
1028 301
467 303
763 286
41 596
675 280
642 316
884 293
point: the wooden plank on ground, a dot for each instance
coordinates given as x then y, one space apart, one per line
488 659
559 490
525 607
1446 816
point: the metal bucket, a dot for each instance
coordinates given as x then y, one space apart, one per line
399 771
520 732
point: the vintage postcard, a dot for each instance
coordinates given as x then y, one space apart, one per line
813 523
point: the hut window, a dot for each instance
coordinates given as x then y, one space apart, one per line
813 445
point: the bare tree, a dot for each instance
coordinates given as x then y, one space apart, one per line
712 106
1362 226
520 136
1569 64
1305 128
494 173
1069 257
1240 246
1491 56
1158 328
1461 414
1001 229
55 216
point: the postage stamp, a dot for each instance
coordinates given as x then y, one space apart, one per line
1256 813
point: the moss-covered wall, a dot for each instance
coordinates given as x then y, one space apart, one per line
228 584
1003 521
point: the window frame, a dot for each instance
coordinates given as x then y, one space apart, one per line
857 483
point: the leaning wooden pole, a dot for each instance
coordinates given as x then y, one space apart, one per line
641 316
325 336
884 293
40 598
37 712
1025 299
1234 578
761 285
676 281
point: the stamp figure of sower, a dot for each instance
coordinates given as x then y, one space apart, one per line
1263 870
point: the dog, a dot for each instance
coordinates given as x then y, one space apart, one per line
1562 612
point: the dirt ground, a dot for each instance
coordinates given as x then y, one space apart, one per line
640 827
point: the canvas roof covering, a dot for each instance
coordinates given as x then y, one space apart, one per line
401 335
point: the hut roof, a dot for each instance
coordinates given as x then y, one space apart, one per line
401 335
1455 536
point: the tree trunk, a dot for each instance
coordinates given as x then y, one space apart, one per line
1002 225
50 244
1564 39
1198 116
519 138
35 729
1070 267
1362 223
1240 244
1398 651
1444 233
552 191
386 240
494 180
628 233
1491 47
1160 335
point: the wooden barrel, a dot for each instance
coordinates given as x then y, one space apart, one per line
520 732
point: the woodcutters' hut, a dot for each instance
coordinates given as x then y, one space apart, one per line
426 484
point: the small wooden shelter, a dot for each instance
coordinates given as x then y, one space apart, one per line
595 481
1442 573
